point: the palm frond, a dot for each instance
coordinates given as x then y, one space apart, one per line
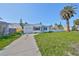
68 12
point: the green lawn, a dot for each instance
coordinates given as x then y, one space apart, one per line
57 43
6 40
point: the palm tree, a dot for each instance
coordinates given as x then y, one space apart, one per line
76 23
66 13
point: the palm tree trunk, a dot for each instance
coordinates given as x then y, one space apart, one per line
68 27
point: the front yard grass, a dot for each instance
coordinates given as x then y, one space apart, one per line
6 40
57 43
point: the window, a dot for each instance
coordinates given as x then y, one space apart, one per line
36 28
45 28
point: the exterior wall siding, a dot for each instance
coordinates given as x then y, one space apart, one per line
31 28
3 28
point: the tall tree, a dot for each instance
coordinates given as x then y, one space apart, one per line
60 26
66 13
76 23
21 24
73 28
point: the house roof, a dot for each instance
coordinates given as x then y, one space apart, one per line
2 22
33 24
14 25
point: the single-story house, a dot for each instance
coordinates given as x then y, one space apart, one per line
9 28
14 27
78 27
35 28
56 28
3 28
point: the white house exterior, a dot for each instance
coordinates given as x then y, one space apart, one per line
4 28
35 28
14 27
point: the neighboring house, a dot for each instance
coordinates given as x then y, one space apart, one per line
4 28
51 28
14 27
9 28
56 28
77 27
35 28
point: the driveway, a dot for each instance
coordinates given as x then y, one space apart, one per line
24 46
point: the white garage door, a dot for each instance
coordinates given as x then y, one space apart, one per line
28 29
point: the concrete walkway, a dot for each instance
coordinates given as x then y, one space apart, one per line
24 46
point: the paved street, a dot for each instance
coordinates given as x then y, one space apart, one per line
24 46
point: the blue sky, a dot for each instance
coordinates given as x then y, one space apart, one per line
47 13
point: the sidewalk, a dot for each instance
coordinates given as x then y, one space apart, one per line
24 46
